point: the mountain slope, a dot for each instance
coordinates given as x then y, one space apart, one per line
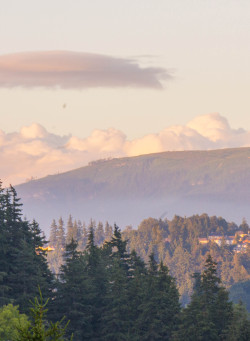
126 190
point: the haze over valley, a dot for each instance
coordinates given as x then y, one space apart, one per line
126 190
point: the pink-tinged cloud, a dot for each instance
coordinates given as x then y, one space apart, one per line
34 152
71 70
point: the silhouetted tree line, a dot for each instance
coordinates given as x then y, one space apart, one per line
106 292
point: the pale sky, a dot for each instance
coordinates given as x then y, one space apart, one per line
138 66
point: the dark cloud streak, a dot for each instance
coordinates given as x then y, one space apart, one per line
71 70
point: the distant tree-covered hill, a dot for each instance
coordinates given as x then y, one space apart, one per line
176 242
126 190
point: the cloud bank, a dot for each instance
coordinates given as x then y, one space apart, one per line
70 70
34 152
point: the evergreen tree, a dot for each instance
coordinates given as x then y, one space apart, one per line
70 230
4 242
108 231
75 230
53 238
84 238
137 277
72 299
79 231
116 318
99 234
209 314
61 240
96 272
240 326
23 265
118 245
39 329
160 306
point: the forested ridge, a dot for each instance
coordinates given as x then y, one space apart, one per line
176 242
106 288
127 190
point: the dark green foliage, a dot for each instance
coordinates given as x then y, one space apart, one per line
158 312
209 314
240 327
106 290
98 281
10 321
137 275
72 298
39 329
116 319
23 264
241 292
109 294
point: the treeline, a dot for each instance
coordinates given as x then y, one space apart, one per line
175 242
107 292
62 234
23 265
110 294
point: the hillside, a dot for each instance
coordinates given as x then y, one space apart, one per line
126 190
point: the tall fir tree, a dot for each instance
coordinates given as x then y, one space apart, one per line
70 231
53 237
108 231
61 239
99 234
72 299
209 314
98 281
116 318
79 231
158 312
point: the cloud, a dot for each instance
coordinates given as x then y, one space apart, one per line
101 141
34 152
212 126
33 131
70 70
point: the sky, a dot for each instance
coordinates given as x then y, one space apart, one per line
81 80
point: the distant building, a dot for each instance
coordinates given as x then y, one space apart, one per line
203 240
241 240
46 249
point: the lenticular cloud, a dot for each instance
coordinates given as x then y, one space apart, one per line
34 152
76 70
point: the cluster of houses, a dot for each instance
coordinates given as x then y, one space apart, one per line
239 241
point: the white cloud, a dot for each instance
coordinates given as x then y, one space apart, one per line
33 131
101 141
145 145
66 69
213 126
35 152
